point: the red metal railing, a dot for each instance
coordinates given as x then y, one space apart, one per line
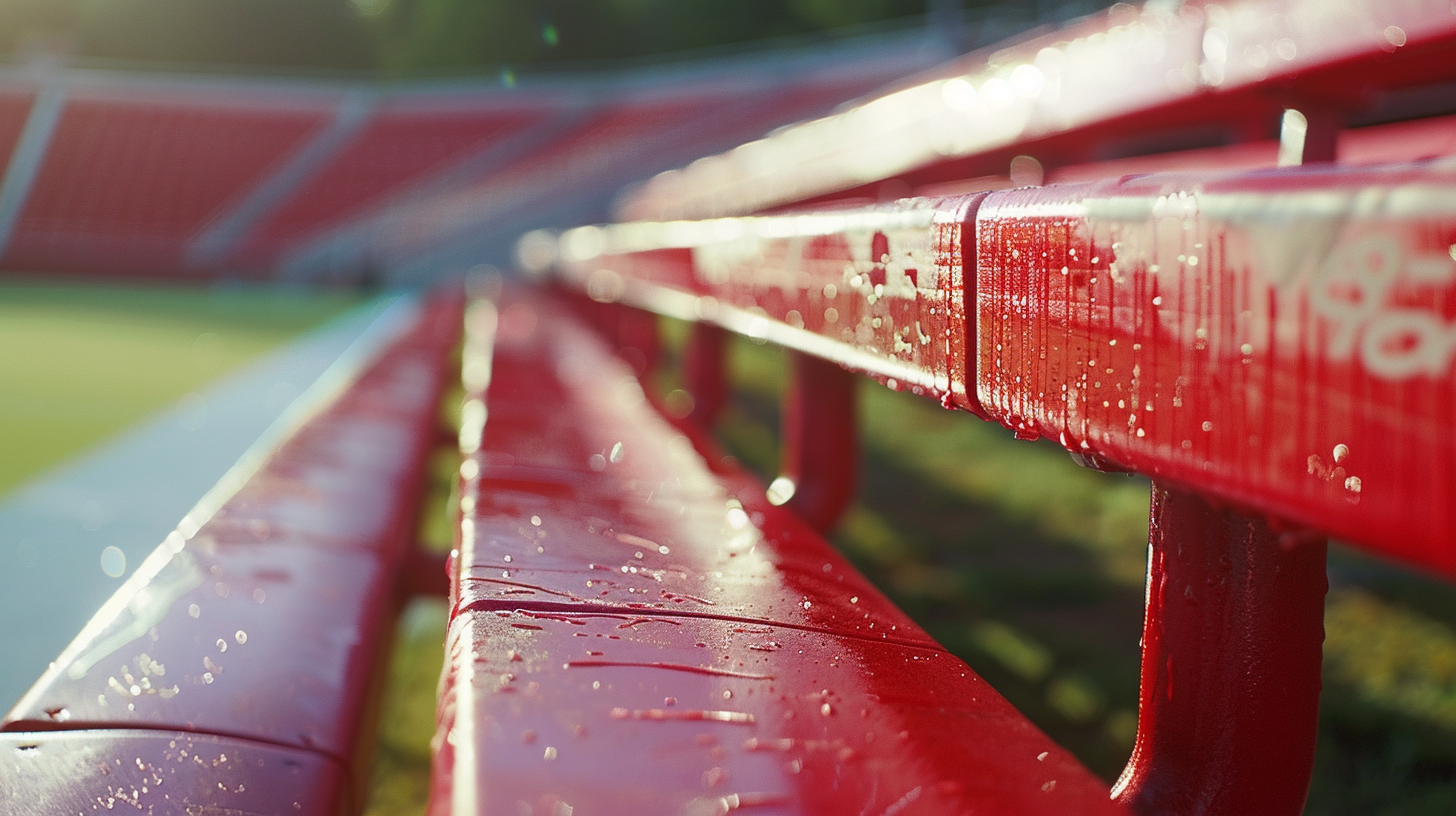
1273 347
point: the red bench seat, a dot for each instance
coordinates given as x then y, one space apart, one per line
635 629
262 621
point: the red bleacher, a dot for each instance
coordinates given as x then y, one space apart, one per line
637 629
1214 244
125 184
14 105
404 142
1135 81
260 625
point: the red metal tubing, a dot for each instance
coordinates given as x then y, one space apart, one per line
705 372
820 457
1231 664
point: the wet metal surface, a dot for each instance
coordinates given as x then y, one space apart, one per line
161 773
55 530
262 616
636 629
1284 341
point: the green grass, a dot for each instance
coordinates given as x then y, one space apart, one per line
399 784
82 362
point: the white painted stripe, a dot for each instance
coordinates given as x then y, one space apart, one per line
29 154
212 246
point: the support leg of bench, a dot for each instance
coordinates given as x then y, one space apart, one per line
1231 664
820 464
704 370
636 336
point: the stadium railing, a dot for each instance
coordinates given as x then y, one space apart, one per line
638 626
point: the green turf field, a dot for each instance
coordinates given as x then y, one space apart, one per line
82 362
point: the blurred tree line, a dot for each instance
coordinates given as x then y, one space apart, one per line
401 36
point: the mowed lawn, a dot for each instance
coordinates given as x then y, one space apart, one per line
81 362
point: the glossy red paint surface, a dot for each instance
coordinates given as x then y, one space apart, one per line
616 713
877 289
264 615
1123 82
1231 664
1279 340
583 496
162 773
637 630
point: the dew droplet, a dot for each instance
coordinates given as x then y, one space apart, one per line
113 562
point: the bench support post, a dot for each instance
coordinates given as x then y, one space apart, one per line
1231 664
705 372
820 462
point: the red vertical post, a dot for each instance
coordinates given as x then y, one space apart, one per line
820 461
636 336
1321 135
705 372
1231 664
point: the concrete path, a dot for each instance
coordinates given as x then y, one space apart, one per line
69 538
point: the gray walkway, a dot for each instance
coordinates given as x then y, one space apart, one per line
69 538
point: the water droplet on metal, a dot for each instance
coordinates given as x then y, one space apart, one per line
113 562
